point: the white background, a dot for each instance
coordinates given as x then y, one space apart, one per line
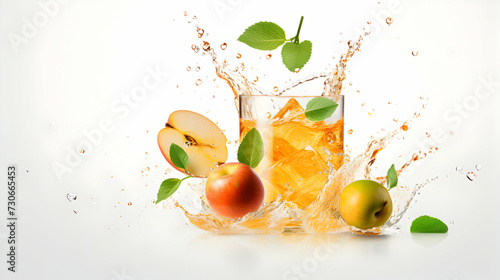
68 74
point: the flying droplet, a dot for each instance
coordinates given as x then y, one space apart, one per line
268 115
206 46
185 13
195 48
71 197
197 69
223 46
186 144
478 167
388 21
459 169
349 131
275 89
129 204
414 53
75 211
256 79
200 32
82 151
198 82
451 133
297 70
471 176
238 56
269 56
188 68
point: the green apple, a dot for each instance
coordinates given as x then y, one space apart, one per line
365 204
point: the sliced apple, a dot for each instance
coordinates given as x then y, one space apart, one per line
203 141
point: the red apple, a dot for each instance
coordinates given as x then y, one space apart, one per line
203 141
234 190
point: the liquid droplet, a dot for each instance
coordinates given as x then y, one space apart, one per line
268 115
349 131
275 89
297 70
238 56
75 211
82 151
388 20
256 79
404 127
129 204
198 82
471 176
206 46
452 222
223 46
269 56
478 167
414 53
71 197
451 133
200 32
188 68
185 13
198 69
195 48
459 169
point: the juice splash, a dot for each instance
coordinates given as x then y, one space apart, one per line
310 206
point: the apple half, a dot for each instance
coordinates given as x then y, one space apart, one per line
203 141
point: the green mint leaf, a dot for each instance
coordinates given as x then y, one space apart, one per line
251 150
178 156
392 177
167 188
320 108
264 35
427 224
295 55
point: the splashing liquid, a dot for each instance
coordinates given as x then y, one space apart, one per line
322 215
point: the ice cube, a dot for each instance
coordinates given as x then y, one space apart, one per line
297 134
281 148
291 110
298 177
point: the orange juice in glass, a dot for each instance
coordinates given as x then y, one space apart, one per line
298 153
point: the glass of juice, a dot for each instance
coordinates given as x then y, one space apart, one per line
299 154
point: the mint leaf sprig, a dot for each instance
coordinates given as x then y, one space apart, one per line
320 108
428 224
168 187
251 149
268 36
392 177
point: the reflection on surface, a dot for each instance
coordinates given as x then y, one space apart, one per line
428 239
